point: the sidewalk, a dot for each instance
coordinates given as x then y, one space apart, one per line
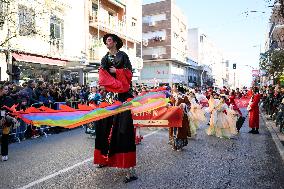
277 137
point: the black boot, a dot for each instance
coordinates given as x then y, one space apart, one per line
256 131
252 130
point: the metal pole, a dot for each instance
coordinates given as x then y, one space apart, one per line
234 79
201 79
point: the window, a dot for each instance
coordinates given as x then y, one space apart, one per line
56 28
175 35
26 21
94 7
201 39
152 35
154 18
154 50
133 22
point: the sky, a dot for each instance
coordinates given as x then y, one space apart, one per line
240 36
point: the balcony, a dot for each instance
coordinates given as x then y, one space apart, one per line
56 46
110 24
119 3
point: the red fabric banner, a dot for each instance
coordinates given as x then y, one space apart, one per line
242 103
162 117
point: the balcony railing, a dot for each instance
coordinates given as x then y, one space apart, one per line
96 50
107 22
56 46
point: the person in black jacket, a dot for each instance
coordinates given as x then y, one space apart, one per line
29 89
38 90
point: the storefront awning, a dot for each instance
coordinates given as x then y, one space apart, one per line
38 59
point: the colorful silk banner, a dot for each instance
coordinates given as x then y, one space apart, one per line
69 118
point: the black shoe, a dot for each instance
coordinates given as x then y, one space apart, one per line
101 166
251 131
126 180
255 132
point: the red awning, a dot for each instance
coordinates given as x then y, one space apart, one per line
39 59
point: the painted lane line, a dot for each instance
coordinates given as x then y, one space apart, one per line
69 168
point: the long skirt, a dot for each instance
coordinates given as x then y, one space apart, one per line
178 135
115 141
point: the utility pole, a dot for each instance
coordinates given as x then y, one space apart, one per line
234 68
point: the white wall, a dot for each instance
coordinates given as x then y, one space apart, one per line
178 27
134 9
3 65
74 37
193 44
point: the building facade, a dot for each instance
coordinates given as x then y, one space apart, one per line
211 60
41 37
164 44
121 17
274 39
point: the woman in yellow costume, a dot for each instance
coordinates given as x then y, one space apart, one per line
196 114
222 120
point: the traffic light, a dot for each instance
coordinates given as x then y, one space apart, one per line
234 66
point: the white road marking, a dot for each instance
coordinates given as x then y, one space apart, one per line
69 168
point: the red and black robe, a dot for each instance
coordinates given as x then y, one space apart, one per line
115 137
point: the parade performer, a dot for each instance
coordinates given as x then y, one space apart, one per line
221 125
178 135
253 109
115 137
232 102
196 114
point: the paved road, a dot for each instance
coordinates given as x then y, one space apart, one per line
65 161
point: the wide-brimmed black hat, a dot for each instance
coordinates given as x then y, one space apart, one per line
115 38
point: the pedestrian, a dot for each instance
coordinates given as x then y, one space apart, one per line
178 136
6 121
115 141
253 109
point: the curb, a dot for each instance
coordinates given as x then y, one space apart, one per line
274 136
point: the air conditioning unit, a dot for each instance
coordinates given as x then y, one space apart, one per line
145 42
155 56
163 38
152 23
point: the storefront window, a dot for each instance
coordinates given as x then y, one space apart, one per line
39 72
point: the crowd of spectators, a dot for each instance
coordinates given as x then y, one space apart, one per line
41 93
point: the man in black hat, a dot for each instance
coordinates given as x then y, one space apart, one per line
115 137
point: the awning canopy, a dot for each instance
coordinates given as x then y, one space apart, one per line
38 59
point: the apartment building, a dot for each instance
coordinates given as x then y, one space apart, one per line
215 69
164 44
121 17
41 37
275 38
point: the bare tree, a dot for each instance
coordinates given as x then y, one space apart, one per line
20 20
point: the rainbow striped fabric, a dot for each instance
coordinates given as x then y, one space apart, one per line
70 118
